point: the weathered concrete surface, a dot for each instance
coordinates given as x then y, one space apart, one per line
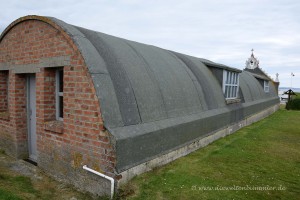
72 172
196 144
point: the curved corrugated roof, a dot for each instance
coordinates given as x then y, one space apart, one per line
139 83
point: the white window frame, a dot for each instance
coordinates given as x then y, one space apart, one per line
266 86
58 94
230 84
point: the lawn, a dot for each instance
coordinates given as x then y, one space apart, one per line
261 161
14 185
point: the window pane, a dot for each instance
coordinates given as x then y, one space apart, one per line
229 93
234 93
227 79
226 91
234 90
235 78
61 80
266 86
61 107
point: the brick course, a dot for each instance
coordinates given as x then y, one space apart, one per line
63 147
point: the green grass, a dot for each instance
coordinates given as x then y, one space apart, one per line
8 195
15 186
267 153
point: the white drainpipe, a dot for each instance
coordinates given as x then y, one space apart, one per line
112 181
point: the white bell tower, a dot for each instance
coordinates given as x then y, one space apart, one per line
252 62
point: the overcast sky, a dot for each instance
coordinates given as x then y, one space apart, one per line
223 31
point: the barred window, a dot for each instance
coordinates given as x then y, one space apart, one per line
230 84
59 94
266 86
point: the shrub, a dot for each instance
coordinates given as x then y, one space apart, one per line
293 104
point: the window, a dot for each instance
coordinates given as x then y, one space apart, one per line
230 84
59 94
266 86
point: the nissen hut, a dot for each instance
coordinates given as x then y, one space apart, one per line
73 99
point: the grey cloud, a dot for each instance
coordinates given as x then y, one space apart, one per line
223 31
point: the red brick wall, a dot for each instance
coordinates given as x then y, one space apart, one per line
3 91
63 147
